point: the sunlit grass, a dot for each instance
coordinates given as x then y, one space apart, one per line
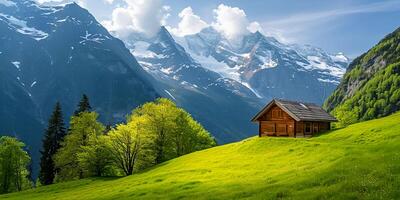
358 162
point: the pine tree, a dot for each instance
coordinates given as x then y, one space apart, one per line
83 106
30 168
54 135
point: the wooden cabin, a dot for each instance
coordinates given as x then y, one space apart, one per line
292 119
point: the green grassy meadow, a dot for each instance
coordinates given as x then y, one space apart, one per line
361 161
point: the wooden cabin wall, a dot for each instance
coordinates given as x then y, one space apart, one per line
299 129
276 122
325 126
316 127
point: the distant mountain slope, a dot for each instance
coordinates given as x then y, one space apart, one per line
357 162
267 67
371 86
222 105
223 86
50 54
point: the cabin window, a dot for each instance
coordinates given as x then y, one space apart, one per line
307 127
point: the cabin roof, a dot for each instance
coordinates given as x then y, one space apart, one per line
300 111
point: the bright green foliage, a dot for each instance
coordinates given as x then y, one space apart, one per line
72 158
173 130
13 165
370 88
129 146
96 159
361 161
379 97
154 133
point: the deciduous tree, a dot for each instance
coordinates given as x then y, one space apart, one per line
84 132
128 144
13 165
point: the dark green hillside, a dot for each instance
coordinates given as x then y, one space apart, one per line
371 86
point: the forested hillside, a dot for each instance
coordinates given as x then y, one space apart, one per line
371 86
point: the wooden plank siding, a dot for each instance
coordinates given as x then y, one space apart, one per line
276 122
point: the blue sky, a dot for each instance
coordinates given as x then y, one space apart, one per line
335 29
349 26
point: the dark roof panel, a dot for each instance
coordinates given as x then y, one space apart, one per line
300 111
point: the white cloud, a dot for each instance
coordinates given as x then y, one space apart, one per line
231 21
145 16
121 22
254 27
189 24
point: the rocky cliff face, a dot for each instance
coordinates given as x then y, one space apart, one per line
371 86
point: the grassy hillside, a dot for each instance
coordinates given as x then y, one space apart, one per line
361 161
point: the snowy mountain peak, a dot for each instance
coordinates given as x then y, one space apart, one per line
260 57
340 57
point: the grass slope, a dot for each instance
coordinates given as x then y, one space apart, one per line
361 161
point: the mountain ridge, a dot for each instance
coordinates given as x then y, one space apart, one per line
260 60
58 53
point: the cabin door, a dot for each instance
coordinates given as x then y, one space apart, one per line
307 128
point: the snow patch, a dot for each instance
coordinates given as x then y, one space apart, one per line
166 70
21 27
62 20
7 3
17 64
318 63
329 81
267 62
33 84
170 94
98 38
252 90
221 68
340 57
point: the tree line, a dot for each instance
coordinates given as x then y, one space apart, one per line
153 133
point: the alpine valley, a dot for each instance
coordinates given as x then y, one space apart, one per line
58 53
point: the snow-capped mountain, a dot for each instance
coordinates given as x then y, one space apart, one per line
207 95
50 54
267 67
205 74
57 53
